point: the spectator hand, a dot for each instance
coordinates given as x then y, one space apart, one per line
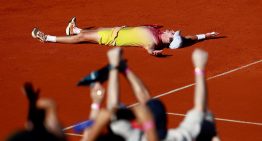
46 104
32 95
97 93
114 56
199 58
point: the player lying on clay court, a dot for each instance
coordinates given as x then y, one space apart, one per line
150 37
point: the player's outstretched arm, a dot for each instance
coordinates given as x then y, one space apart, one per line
152 51
200 58
198 37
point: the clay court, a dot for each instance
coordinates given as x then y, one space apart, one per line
234 70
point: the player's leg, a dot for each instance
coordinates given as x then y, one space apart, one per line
73 29
90 36
87 36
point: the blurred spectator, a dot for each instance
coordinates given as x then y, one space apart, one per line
42 123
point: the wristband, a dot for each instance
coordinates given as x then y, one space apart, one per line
201 36
199 71
148 125
122 66
136 125
95 106
111 67
127 70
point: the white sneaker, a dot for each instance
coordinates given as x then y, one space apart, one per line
37 34
70 27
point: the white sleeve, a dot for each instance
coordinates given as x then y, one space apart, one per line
124 129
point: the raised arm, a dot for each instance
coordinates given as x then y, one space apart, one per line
103 118
138 87
200 58
52 123
42 112
97 93
114 57
145 118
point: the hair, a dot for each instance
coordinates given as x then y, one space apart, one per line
22 135
125 114
110 137
187 42
207 132
25 135
159 113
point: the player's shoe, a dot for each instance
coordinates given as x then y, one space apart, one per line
70 27
37 34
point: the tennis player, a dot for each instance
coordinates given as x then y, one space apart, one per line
150 37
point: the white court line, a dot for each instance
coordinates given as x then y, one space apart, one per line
222 119
69 127
190 85
72 134
209 78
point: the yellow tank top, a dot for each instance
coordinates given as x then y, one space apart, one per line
126 36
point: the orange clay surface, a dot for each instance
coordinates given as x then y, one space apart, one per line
56 68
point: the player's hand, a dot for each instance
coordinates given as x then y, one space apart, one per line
97 92
157 52
114 56
199 58
211 35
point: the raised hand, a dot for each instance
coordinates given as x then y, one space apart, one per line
97 92
199 58
32 95
114 56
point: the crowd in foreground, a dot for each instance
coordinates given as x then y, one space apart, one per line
146 121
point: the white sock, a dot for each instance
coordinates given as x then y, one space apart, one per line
50 38
76 30
201 36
